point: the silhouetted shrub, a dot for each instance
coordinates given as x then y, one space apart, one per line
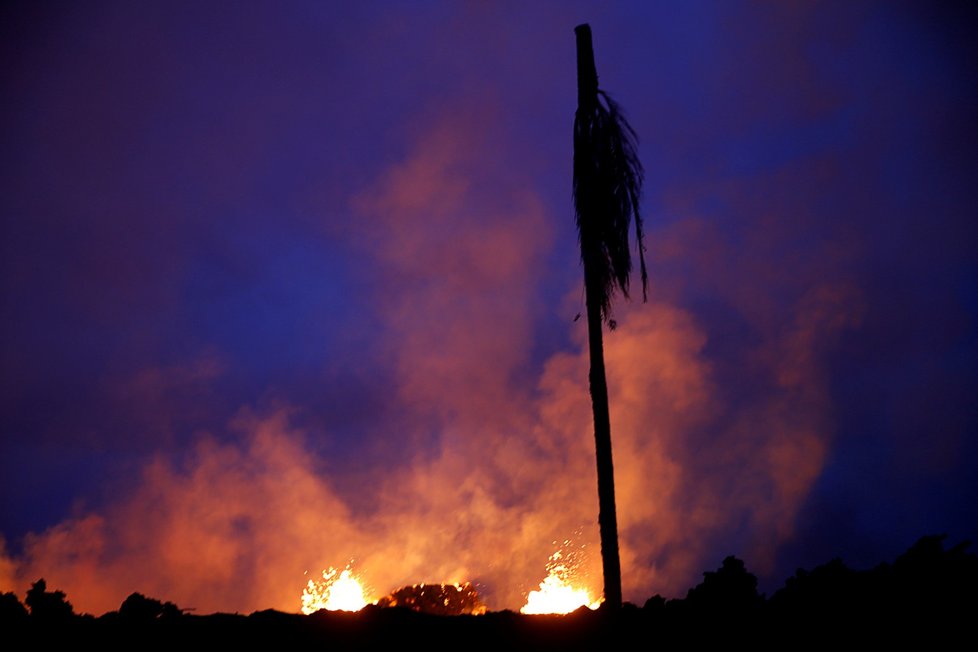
730 588
829 595
807 589
926 590
138 608
45 605
655 603
929 578
11 609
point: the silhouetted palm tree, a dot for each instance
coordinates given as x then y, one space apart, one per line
607 184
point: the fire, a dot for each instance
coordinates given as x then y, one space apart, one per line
337 591
454 599
558 593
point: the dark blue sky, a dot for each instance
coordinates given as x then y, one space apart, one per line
350 230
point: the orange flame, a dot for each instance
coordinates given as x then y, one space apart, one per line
560 592
337 591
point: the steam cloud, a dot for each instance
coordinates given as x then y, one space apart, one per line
498 459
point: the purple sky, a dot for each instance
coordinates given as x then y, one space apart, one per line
248 248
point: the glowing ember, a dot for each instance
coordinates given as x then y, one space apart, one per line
441 599
337 591
558 594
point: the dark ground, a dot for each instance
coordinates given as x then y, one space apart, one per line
926 597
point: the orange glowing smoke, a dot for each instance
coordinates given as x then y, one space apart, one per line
560 592
337 591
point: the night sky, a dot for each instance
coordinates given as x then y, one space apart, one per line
286 285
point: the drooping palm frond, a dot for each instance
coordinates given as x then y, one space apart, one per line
608 180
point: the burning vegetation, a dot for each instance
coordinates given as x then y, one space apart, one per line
438 599
345 591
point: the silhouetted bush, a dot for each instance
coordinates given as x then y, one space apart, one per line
12 611
138 608
926 591
49 606
655 603
927 578
730 587
808 589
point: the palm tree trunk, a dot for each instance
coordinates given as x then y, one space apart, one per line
594 287
607 517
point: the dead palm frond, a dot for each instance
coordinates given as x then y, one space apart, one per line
608 180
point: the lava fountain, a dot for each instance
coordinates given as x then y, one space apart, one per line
337 591
560 592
